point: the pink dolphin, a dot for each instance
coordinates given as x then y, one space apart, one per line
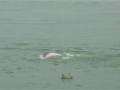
48 55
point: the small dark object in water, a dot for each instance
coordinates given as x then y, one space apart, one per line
67 77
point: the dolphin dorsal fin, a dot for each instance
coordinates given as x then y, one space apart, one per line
44 55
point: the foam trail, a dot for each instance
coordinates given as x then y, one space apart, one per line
69 56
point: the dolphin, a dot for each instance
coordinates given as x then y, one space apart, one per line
48 55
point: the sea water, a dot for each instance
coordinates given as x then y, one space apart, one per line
88 31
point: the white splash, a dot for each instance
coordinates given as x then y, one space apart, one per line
69 55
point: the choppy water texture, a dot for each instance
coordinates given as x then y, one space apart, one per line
87 30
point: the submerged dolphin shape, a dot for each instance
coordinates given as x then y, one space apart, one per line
48 55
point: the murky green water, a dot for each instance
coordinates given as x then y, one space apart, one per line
89 29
